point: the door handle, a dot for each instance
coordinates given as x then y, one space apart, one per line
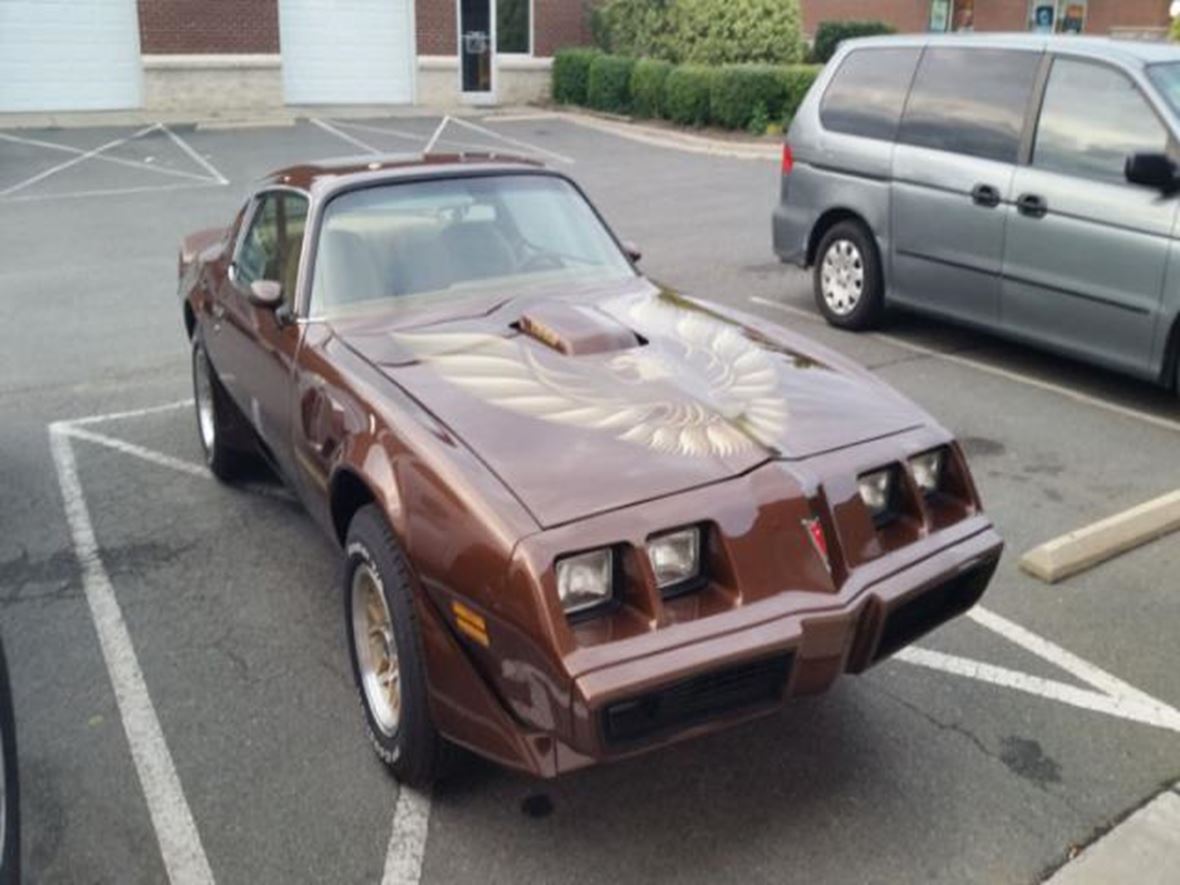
985 195
1032 205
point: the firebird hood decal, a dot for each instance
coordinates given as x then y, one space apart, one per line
699 387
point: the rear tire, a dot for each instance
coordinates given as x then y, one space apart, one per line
214 418
849 286
385 647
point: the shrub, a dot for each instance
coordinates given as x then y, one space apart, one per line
610 83
571 74
702 31
797 79
829 35
759 120
647 87
686 94
737 90
1174 30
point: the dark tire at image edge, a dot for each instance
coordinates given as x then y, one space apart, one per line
847 279
385 648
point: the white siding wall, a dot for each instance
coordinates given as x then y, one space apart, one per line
69 55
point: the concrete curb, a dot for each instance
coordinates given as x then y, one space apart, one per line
1144 849
1086 547
680 141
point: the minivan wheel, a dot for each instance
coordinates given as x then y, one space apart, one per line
847 277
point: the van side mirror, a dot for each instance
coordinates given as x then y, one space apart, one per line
266 293
1156 171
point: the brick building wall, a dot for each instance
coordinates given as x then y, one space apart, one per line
557 23
990 15
170 27
436 26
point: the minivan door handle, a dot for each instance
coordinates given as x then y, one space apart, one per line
985 195
1032 205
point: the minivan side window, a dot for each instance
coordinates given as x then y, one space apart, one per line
970 101
1093 117
867 94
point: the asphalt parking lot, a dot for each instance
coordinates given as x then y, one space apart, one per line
1011 737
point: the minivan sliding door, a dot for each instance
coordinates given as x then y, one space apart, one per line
1087 251
953 165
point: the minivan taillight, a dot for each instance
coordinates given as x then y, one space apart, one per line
788 159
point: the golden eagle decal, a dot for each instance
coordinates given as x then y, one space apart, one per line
698 387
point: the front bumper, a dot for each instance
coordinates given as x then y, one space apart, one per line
697 686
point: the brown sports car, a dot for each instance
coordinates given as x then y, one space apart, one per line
581 515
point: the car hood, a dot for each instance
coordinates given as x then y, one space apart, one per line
581 405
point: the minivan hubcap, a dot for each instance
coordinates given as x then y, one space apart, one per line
203 384
842 277
376 649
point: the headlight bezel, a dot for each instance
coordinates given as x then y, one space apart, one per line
929 482
591 606
887 510
691 580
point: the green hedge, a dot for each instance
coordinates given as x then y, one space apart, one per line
797 79
739 91
687 92
610 83
647 87
571 74
829 35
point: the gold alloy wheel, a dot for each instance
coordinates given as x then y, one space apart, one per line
376 649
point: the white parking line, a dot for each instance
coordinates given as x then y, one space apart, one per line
194 156
344 136
176 831
978 365
120 161
407 841
86 155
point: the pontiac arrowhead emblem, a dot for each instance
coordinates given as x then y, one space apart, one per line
815 531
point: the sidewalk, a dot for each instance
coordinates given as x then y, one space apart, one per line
1143 849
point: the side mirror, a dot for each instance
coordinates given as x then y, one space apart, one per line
266 293
1156 171
632 252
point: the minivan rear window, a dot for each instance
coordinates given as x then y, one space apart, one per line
970 101
867 94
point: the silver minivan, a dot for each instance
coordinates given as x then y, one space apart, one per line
1022 184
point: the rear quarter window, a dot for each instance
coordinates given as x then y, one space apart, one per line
868 92
971 101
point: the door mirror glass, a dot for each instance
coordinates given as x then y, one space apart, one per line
266 293
1152 170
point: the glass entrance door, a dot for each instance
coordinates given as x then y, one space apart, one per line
477 51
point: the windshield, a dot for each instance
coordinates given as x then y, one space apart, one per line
452 237
1166 78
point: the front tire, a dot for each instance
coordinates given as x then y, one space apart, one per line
849 286
213 418
386 651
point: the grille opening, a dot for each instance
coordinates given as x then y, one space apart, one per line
698 699
918 616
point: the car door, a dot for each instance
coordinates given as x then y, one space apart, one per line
953 165
1087 251
256 353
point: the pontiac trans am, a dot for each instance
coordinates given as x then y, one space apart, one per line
581 516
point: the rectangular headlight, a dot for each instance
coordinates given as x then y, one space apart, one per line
675 557
876 491
585 580
927 468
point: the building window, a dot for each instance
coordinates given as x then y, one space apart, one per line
514 27
952 15
1057 16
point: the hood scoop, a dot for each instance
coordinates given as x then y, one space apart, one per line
575 330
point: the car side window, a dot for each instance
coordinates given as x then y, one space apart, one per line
258 253
271 247
970 101
1094 117
867 93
